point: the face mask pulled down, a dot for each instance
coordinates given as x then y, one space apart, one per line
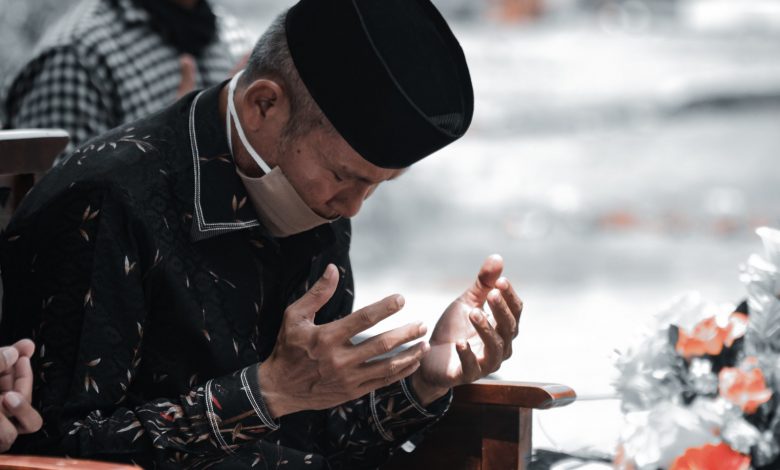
279 207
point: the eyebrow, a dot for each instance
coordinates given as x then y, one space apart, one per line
355 176
342 168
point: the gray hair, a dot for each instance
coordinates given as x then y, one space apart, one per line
271 59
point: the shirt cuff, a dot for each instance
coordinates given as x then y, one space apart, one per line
396 409
235 409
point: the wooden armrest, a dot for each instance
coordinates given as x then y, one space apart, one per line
488 427
540 396
26 462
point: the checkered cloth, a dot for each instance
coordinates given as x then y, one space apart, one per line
102 66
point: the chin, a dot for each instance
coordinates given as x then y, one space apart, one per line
326 213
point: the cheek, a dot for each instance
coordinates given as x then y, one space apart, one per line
314 190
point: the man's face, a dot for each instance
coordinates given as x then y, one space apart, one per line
329 175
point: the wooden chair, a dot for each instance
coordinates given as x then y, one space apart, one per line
25 462
488 427
25 154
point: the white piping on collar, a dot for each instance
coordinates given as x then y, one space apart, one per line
204 226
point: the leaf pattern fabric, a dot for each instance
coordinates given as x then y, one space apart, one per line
153 293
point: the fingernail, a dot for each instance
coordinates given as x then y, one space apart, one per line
461 346
400 301
10 356
475 315
328 272
495 295
426 347
422 329
12 399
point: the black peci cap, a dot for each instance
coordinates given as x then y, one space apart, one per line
388 74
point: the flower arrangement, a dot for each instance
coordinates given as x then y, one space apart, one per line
702 391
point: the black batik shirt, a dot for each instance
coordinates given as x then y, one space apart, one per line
140 270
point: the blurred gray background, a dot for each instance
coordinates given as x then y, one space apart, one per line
622 152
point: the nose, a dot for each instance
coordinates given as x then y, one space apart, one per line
350 202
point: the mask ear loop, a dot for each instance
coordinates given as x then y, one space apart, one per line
232 112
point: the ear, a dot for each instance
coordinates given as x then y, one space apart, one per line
265 105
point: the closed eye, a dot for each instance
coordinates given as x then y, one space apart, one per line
337 177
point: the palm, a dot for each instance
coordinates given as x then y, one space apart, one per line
442 366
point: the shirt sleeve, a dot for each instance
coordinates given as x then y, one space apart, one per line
365 432
74 282
56 90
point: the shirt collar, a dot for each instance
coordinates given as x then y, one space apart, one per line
221 204
220 200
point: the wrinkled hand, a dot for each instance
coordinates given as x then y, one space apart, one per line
466 344
315 367
17 416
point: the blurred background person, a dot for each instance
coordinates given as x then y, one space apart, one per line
108 62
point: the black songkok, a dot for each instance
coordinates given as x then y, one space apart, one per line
388 74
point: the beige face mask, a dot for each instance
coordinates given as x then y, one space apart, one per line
279 207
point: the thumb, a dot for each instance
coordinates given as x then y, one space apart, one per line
8 357
491 269
315 298
188 70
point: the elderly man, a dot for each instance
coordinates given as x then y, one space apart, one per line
187 276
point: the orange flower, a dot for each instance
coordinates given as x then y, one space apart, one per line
709 338
621 461
744 386
711 457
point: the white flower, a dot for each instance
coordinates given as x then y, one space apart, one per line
703 380
654 438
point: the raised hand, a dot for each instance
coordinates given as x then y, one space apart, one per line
17 416
316 367
466 344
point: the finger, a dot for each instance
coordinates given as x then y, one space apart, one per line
23 380
28 420
8 433
366 317
387 370
506 325
316 297
469 364
387 341
8 357
493 343
187 83
510 297
372 385
486 280
25 347
7 381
